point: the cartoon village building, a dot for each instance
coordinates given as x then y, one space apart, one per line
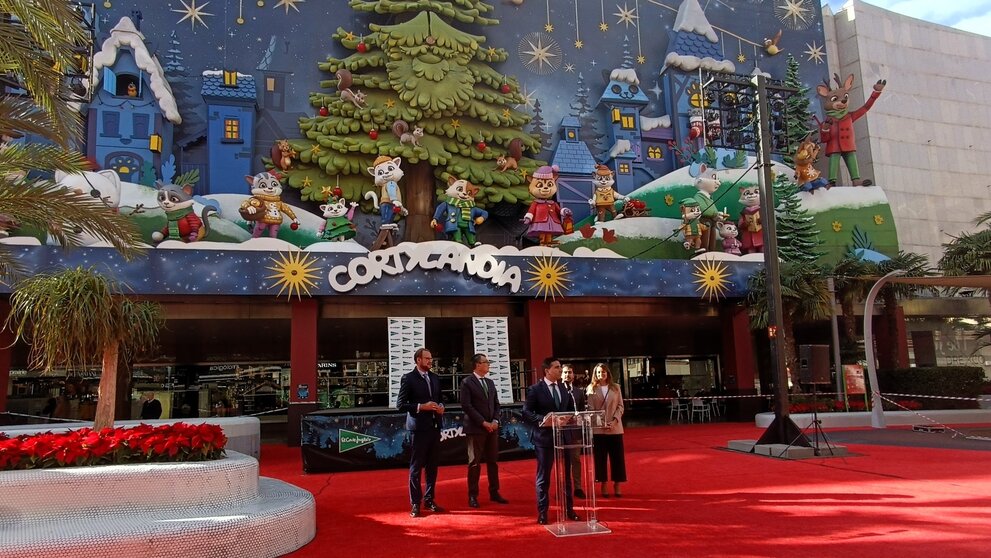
230 112
133 113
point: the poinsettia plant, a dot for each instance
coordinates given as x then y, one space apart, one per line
170 443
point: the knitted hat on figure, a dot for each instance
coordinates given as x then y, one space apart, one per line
546 172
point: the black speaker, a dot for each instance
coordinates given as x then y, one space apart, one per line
813 364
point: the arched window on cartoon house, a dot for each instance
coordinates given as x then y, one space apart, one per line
121 84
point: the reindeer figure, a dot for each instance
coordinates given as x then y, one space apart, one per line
837 131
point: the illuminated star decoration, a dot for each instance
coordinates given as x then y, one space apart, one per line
289 4
656 90
603 27
815 52
641 59
626 15
529 98
389 103
741 58
548 276
570 68
543 56
711 277
349 36
579 44
315 149
326 191
294 273
796 14
549 28
307 182
193 13
506 113
455 123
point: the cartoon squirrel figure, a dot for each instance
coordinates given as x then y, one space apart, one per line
692 228
344 81
604 197
837 131
181 222
405 135
265 206
512 159
809 179
282 154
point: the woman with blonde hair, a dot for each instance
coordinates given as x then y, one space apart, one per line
607 439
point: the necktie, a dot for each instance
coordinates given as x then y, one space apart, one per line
557 396
426 378
485 387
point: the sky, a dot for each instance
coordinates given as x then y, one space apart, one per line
967 15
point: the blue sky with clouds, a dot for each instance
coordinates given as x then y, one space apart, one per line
967 15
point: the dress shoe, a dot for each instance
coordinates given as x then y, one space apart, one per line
414 510
472 502
432 506
542 519
573 516
498 499
579 493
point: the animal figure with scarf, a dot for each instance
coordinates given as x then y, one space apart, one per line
265 206
457 215
837 130
182 223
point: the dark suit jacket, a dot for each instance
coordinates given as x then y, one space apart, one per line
539 402
413 391
478 407
581 400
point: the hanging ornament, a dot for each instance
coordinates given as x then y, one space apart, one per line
293 226
481 143
373 134
362 47
337 190
107 4
324 111
505 86
431 40
261 3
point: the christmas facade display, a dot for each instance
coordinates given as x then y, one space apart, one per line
428 115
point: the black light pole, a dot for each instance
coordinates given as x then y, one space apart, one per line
782 430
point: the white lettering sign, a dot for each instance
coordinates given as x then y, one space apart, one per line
427 255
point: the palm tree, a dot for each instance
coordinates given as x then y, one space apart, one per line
851 284
914 265
969 254
37 41
76 317
804 298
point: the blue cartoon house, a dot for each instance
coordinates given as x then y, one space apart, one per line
230 99
623 100
133 112
576 165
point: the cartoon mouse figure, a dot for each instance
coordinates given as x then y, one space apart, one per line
337 224
265 206
705 186
837 131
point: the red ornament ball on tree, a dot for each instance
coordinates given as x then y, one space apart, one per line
362 47
338 192
481 146
293 226
374 134
505 88
324 111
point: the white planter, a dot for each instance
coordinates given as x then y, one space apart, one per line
211 508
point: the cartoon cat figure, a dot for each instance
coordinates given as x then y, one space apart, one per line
103 186
729 233
182 223
337 225
387 174
457 215
265 206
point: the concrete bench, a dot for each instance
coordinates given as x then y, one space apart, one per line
212 508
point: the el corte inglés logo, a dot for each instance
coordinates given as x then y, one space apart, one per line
350 440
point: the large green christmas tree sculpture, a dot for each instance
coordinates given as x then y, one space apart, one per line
425 73
798 115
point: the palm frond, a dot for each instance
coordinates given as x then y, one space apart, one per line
64 214
16 158
22 115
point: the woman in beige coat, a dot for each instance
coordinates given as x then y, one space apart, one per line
607 440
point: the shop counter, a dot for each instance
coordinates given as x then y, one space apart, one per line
338 440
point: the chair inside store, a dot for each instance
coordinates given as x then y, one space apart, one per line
678 408
701 408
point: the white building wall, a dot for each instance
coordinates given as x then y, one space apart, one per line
927 140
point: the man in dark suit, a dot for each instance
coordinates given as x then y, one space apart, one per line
480 404
542 398
419 393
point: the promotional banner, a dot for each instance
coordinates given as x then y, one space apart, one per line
335 442
492 340
406 335
853 376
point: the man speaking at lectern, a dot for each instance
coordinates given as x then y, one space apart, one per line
542 398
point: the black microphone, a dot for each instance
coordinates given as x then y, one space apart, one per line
571 392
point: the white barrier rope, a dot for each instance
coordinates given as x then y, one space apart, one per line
932 421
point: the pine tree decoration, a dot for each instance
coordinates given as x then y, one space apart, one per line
798 235
797 114
538 127
427 73
581 108
187 97
627 54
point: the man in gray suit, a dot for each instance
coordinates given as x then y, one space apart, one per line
480 404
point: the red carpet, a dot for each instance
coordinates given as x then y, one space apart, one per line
686 497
